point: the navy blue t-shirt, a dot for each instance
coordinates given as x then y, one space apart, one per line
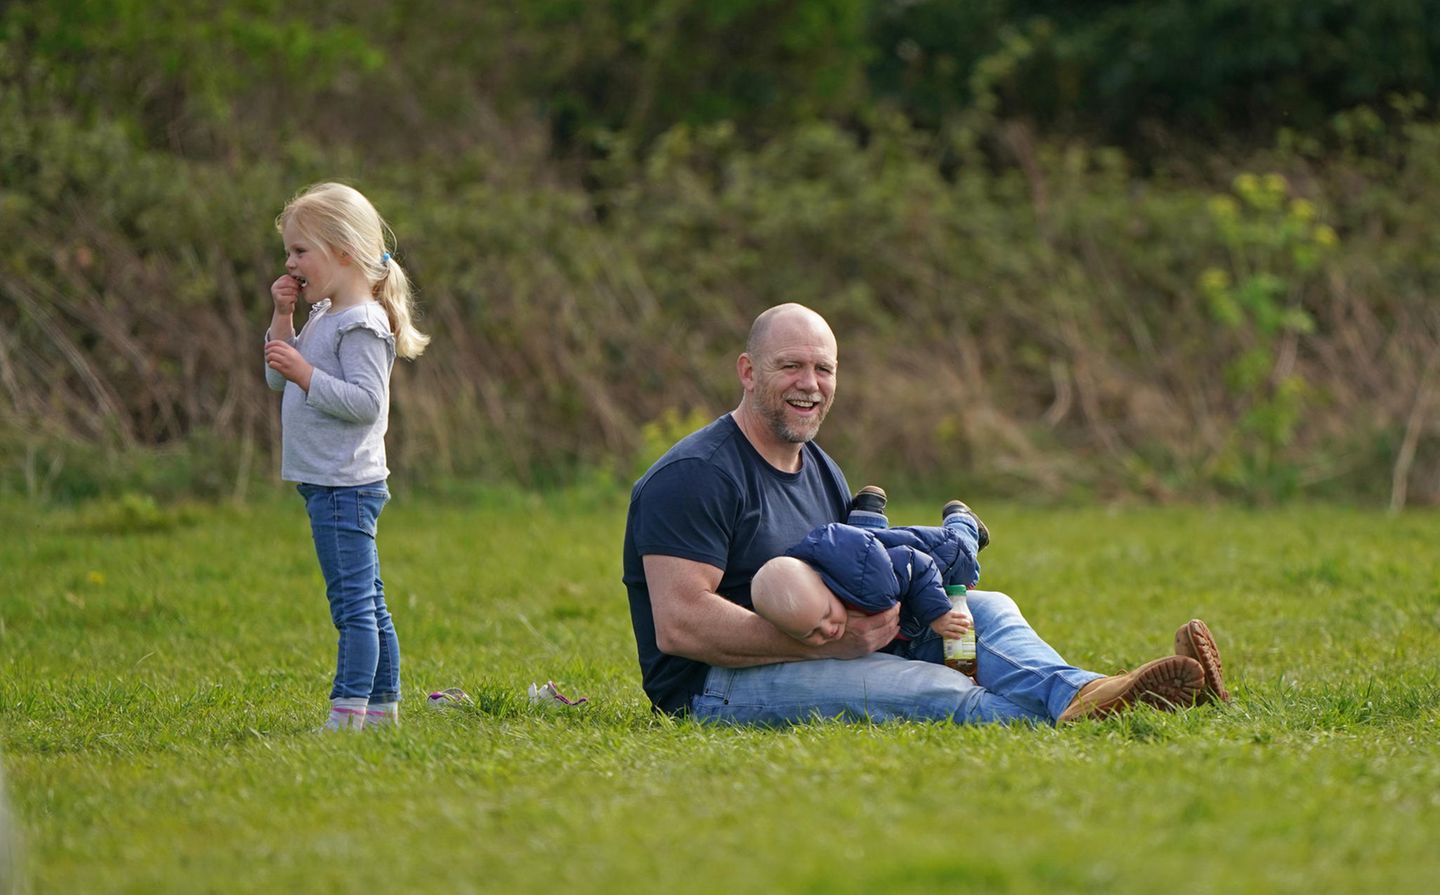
713 499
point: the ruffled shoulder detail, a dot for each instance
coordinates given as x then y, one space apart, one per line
370 317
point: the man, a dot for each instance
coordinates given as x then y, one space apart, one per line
727 498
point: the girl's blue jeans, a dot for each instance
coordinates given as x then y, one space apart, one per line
343 522
1020 678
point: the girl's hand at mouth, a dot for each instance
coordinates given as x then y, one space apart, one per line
286 292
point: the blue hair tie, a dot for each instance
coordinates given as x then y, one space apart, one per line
385 259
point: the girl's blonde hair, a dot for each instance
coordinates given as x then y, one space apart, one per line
341 221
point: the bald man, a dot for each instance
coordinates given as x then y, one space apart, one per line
748 486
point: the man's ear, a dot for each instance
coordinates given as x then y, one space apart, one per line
745 369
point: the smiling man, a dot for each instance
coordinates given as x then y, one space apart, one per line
726 499
742 490
788 373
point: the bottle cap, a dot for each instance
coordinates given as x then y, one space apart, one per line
954 590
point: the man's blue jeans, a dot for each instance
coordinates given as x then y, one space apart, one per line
343 521
1021 678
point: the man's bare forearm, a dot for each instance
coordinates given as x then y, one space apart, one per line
719 632
693 621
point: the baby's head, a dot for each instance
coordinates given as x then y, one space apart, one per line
788 593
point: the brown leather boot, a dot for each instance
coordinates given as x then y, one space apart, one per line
1168 683
1195 641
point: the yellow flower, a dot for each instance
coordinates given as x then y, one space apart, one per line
1224 208
1214 280
94 577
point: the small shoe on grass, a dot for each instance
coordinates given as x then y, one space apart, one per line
382 714
346 715
448 698
1168 683
550 694
1195 641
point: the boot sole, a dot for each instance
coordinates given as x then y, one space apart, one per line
1195 641
1169 683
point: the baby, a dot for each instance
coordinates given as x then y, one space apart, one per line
789 593
807 592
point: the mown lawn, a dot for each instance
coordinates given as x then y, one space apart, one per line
162 674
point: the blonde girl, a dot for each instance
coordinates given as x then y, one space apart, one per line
335 375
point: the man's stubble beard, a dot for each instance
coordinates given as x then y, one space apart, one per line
774 414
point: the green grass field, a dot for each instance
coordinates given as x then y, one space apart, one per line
162 674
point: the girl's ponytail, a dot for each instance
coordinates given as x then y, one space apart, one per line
393 292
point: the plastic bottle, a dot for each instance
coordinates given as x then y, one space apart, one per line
960 652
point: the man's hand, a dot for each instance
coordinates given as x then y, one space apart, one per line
864 634
288 362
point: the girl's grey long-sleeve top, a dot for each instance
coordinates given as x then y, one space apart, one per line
335 434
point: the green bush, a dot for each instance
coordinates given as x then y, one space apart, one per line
1019 310
1218 68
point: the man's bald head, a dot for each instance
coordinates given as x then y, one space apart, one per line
783 316
788 372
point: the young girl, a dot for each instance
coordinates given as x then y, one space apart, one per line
336 379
